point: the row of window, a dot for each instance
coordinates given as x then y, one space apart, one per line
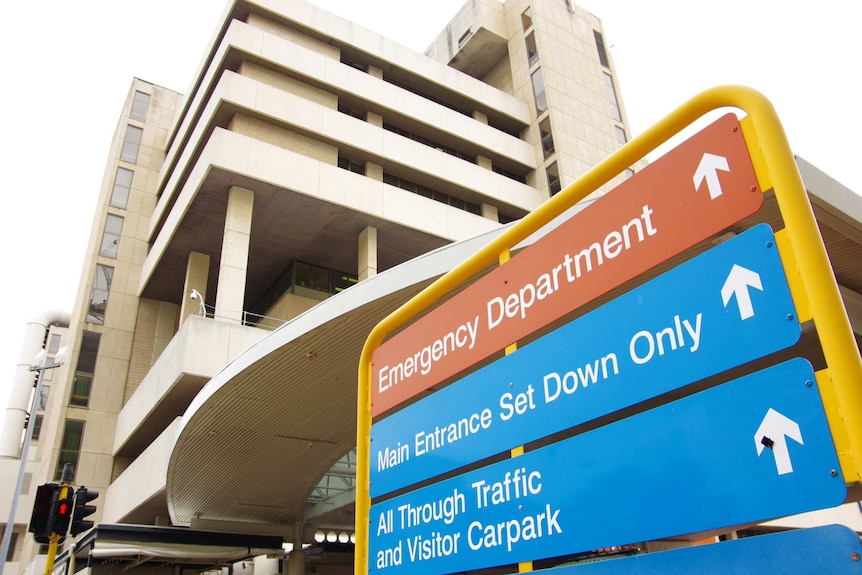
298 278
82 382
433 194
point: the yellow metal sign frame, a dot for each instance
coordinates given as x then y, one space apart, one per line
813 284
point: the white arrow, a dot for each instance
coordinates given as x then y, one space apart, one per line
773 433
707 170
738 281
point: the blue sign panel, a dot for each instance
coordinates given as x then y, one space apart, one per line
719 310
747 451
818 551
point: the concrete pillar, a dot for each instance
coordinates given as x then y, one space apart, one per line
374 119
296 559
480 117
234 255
367 253
374 171
490 212
197 272
484 162
375 71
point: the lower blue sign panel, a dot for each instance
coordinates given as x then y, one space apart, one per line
819 551
750 450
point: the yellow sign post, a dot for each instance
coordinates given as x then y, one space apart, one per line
813 285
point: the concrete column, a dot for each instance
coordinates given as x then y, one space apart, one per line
374 119
484 162
375 71
490 212
197 271
480 117
367 253
234 255
374 171
296 559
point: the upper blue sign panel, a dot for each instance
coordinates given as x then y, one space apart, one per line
726 307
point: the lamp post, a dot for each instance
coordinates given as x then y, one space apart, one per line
40 366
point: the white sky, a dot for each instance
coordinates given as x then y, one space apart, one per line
69 66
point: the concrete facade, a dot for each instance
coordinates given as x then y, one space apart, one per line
310 156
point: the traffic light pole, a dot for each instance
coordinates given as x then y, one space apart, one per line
13 507
52 553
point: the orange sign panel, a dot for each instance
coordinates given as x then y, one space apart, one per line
693 192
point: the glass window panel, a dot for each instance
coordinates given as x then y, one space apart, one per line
553 174
70 446
526 19
621 135
54 344
111 236
600 46
547 137
532 51
81 385
44 393
37 426
122 186
139 106
612 97
539 91
99 294
131 144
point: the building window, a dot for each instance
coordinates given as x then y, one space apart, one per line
354 167
139 106
122 187
612 97
37 426
54 344
13 541
70 447
532 51
82 383
621 135
131 144
429 193
111 236
539 91
547 137
600 46
526 20
99 294
44 393
553 174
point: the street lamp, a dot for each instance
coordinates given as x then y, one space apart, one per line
202 308
38 365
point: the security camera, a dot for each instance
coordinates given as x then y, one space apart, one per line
194 295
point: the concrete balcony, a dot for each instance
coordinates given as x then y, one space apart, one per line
138 494
199 349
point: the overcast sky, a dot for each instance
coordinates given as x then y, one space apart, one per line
69 66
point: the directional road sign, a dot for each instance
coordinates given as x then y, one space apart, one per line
828 550
684 467
726 307
693 192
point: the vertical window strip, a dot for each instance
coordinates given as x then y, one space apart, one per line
70 446
122 188
140 103
99 294
131 144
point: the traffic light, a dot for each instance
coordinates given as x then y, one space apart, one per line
82 510
63 511
44 512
